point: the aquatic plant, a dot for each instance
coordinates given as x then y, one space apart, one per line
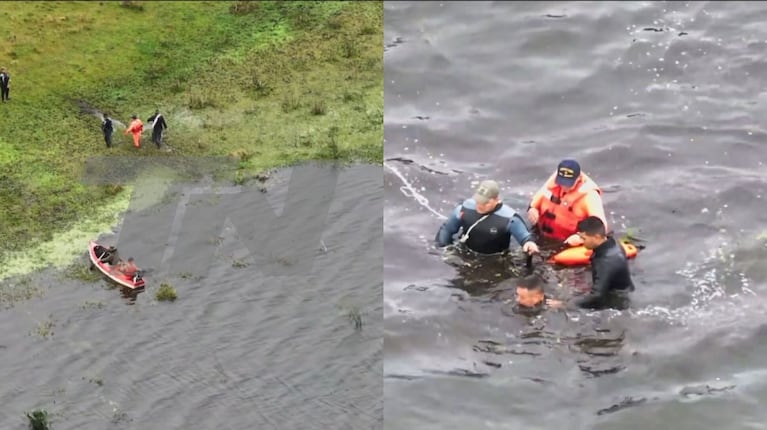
97 381
45 328
355 317
38 419
22 289
239 264
353 314
90 305
82 272
166 292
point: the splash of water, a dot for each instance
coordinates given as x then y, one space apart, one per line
710 303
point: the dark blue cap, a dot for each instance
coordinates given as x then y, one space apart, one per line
568 172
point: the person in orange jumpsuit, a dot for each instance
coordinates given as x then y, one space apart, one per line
128 269
568 197
136 127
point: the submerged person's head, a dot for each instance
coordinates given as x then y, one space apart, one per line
592 231
530 292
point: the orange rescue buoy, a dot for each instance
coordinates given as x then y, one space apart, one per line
579 255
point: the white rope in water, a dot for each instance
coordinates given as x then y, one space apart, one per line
409 191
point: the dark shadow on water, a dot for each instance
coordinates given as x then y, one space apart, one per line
131 294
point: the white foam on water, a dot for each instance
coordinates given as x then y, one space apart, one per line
710 306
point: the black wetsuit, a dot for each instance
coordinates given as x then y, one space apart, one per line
489 235
611 280
4 85
108 129
157 128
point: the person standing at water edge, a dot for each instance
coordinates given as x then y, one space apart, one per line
108 129
5 80
610 276
487 224
136 127
568 197
157 127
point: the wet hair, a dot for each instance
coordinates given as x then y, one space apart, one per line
531 282
134 116
592 226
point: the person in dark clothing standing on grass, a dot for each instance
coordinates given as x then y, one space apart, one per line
611 280
157 127
4 84
108 129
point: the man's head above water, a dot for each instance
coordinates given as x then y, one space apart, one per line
530 292
487 196
592 231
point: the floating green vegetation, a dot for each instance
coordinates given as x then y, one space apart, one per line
166 292
45 328
38 419
92 305
239 264
82 272
353 314
15 291
97 381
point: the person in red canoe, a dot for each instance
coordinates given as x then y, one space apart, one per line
107 255
128 268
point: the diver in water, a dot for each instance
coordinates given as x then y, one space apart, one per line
487 224
610 276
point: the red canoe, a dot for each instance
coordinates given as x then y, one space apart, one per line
95 251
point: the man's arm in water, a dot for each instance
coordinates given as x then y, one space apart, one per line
520 230
598 296
449 228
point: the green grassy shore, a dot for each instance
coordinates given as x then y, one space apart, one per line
269 83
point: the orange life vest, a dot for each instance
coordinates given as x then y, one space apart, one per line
560 215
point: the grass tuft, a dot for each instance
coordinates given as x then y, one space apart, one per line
38 419
166 292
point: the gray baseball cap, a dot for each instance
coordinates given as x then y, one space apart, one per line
485 191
